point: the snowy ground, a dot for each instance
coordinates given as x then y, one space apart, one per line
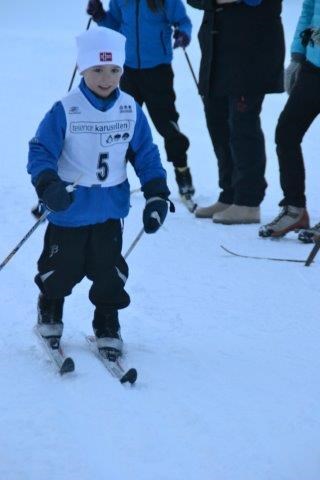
227 349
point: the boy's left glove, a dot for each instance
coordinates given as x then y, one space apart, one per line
181 39
154 214
156 193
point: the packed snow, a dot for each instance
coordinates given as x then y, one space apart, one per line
227 349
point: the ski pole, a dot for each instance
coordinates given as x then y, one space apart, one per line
69 189
191 69
75 68
313 252
134 243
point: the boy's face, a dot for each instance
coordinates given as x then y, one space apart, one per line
103 79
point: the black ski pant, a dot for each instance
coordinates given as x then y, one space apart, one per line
93 251
238 141
154 87
301 109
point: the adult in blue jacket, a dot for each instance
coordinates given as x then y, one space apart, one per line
148 76
302 81
242 45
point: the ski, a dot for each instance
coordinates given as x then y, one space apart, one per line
262 258
53 349
115 368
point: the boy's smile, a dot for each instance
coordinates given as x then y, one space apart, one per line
103 79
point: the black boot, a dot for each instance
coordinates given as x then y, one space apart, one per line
184 181
106 328
50 312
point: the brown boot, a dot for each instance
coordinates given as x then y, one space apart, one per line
208 212
238 214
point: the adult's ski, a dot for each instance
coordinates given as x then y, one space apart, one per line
276 259
55 353
115 368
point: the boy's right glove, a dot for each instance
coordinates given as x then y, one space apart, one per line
154 214
292 71
95 9
52 191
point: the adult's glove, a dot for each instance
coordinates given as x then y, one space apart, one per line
95 9
154 214
181 39
316 36
292 71
52 191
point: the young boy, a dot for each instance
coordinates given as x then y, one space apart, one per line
87 138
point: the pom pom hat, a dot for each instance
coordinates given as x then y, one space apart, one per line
100 46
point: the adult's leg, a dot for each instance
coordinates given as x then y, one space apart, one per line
248 149
131 84
302 107
217 118
159 96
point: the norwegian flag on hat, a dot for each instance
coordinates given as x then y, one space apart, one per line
105 57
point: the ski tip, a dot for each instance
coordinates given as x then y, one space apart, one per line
67 366
130 376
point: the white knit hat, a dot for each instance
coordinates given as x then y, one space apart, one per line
100 46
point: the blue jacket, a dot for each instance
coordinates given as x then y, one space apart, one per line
309 18
148 33
94 204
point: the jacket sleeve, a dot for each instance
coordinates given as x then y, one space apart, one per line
201 4
303 23
143 153
46 146
177 16
112 18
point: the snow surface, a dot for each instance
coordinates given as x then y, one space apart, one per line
227 349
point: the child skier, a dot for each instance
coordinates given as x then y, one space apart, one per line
148 74
86 138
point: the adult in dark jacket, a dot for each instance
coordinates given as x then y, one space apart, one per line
242 45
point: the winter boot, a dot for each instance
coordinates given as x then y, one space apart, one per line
289 219
309 235
106 328
208 212
50 317
237 214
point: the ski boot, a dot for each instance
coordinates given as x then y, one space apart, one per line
289 219
106 328
186 188
309 235
50 325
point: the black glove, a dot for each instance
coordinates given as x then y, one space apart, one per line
156 193
52 191
181 39
95 9
154 214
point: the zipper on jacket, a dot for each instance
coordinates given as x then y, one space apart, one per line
137 32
